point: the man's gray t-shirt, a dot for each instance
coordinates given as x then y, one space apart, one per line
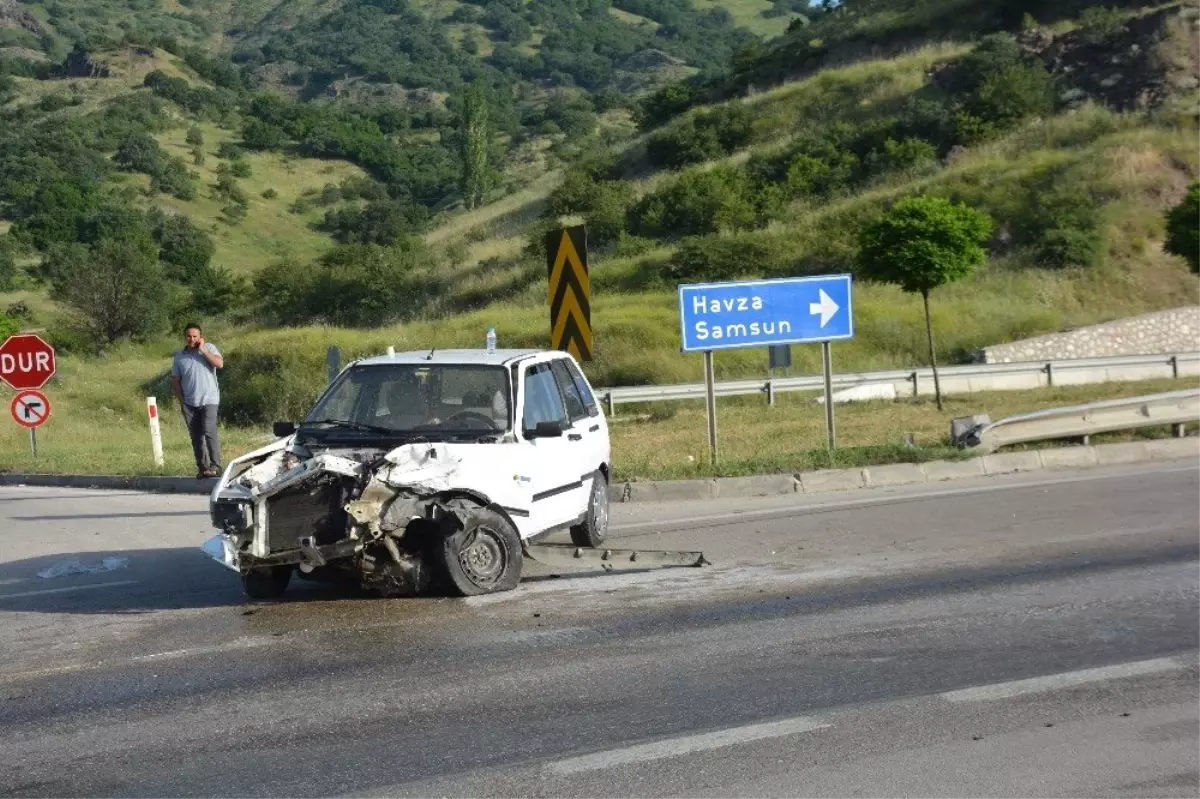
197 377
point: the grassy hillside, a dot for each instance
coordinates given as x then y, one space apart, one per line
1075 135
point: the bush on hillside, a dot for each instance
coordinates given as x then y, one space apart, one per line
602 203
8 326
139 152
351 285
701 137
184 247
666 103
1183 228
900 156
995 86
700 201
386 223
1062 227
703 258
1100 25
8 267
1007 97
258 388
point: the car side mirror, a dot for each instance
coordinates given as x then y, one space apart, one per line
546 430
283 429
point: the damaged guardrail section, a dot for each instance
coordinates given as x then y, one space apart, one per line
1173 408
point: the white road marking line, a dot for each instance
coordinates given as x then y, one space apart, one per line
1067 679
68 589
788 510
674 747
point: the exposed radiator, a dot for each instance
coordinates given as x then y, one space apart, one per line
307 511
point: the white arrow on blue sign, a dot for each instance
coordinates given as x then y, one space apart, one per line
759 313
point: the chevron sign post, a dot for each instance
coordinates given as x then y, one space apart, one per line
570 292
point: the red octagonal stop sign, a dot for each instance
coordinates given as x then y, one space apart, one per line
26 361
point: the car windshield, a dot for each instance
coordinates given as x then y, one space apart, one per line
432 401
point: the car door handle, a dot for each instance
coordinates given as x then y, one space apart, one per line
594 428
574 437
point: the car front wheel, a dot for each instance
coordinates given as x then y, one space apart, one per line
266 583
484 556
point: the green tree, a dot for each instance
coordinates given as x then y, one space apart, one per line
185 247
922 243
195 137
475 130
139 152
115 290
8 267
1183 228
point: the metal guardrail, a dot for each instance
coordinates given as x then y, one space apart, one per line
1172 408
916 377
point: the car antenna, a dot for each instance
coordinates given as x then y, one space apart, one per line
429 357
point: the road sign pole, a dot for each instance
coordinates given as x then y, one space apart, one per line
33 440
827 361
710 404
155 430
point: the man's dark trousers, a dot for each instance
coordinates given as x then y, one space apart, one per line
201 421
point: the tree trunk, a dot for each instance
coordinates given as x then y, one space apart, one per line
937 386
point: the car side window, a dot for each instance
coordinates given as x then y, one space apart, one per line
543 403
576 409
585 392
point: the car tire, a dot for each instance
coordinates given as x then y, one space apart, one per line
484 557
267 583
593 530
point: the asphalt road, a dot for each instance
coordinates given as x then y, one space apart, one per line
1028 635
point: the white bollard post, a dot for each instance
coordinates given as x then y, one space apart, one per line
155 431
391 351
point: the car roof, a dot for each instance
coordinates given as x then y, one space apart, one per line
449 357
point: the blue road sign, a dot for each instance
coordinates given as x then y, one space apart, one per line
759 313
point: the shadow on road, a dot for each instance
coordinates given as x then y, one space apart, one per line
137 581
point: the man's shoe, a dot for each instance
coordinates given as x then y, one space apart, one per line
212 471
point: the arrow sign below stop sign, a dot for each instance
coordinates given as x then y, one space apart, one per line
26 361
30 409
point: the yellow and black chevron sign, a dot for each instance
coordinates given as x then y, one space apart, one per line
570 292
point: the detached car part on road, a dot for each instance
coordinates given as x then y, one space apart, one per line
421 468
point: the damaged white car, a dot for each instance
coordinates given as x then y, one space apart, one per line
421 468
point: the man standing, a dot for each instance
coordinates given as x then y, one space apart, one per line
194 384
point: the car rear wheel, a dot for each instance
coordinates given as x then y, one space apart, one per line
266 583
484 556
592 531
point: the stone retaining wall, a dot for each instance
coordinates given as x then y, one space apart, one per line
1177 330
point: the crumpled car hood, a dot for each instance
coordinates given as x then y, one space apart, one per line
423 467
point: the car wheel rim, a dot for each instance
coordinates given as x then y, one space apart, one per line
482 557
600 511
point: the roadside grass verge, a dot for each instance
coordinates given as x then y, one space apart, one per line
659 441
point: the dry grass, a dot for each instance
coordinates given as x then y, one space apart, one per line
791 436
85 436
270 230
